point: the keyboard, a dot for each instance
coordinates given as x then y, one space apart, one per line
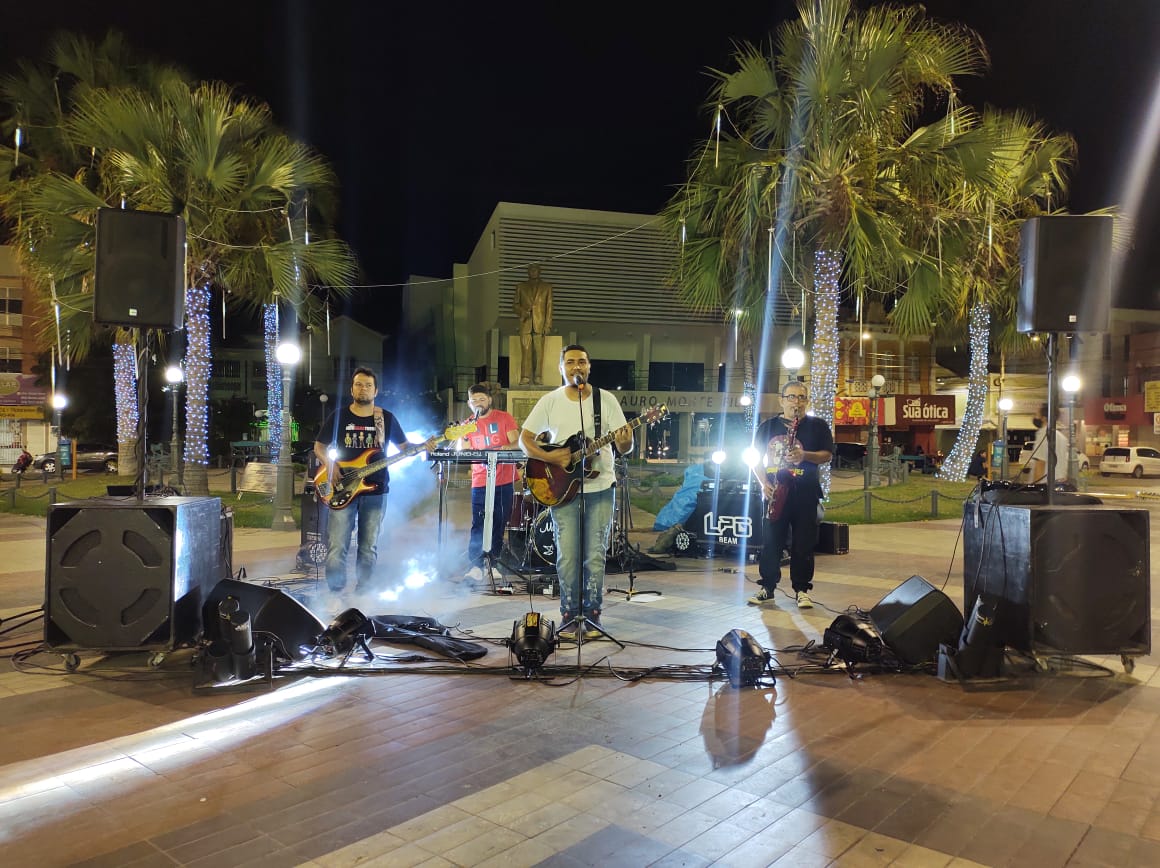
478 456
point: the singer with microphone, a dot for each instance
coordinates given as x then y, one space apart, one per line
494 429
583 523
795 444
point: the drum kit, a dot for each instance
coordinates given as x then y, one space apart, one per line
531 538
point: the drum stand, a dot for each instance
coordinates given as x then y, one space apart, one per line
625 551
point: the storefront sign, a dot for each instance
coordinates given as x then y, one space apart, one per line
20 390
7 412
1115 409
924 409
1118 410
694 402
1152 396
852 411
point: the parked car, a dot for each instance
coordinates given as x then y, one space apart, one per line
1135 460
89 456
1023 463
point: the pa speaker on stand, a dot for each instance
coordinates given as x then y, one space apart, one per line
140 269
1067 274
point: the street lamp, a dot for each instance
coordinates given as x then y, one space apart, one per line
1071 385
1005 405
288 355
792 360
876 384
59 402
174 376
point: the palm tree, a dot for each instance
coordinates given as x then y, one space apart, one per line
221 163
819 167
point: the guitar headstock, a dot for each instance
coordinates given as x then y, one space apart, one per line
454 432
654 414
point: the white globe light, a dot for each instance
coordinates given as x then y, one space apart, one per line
174 374
745 400
878 381
751 456
793 358
718 457
288 353
1070 383
59 401
1005 404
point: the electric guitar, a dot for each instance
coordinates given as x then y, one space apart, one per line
338 493
553 485
781 477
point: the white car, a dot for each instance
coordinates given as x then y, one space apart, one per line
1082 462
1136 460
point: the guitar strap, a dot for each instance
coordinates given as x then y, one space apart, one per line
596 402
380 428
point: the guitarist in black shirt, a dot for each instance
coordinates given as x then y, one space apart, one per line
347 433
790 480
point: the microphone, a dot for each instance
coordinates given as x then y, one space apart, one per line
477 412
577 380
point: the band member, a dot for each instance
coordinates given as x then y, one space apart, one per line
795 444
579 562
494 429
349 431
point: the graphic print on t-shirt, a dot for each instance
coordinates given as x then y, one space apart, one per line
360 437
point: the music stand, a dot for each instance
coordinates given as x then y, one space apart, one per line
628 552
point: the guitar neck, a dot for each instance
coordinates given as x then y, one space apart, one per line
598 444
375 467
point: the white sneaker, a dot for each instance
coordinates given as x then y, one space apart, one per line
804 601
763 596
475 574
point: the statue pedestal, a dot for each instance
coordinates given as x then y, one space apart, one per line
549 367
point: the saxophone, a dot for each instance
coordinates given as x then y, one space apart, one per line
781 477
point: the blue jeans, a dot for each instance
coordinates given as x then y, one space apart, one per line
504 494
584 580
368 509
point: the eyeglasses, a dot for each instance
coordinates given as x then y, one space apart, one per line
795 397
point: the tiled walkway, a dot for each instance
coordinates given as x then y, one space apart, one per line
122 765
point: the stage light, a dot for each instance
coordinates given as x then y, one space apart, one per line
718 457
742 658
349 629
751 456
533 641
332 454
853 641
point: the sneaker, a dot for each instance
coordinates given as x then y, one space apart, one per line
764 595
567 634
804 601
475 575
592 629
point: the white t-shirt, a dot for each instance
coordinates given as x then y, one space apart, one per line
1039 453
560 417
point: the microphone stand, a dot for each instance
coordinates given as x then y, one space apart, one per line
627 551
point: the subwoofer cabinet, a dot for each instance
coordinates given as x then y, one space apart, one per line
127 575
1073 579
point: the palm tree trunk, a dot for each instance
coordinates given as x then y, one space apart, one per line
197 370
274 395
125 395
824 352
955 466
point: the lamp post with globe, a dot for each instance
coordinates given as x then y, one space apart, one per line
876 384
175 377
1005 405
59 402
1071 384
288 355
792 360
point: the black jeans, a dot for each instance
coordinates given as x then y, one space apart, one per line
798 521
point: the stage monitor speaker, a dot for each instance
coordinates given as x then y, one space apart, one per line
271 611
1066 284
140 269
914 618
124 575
1074 579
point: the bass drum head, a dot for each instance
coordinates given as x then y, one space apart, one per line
544 538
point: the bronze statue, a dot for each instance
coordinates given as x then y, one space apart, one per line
533 305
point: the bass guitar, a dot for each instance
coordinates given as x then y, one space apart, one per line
781 477
553 485
338 493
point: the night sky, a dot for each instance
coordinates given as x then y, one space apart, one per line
434 113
